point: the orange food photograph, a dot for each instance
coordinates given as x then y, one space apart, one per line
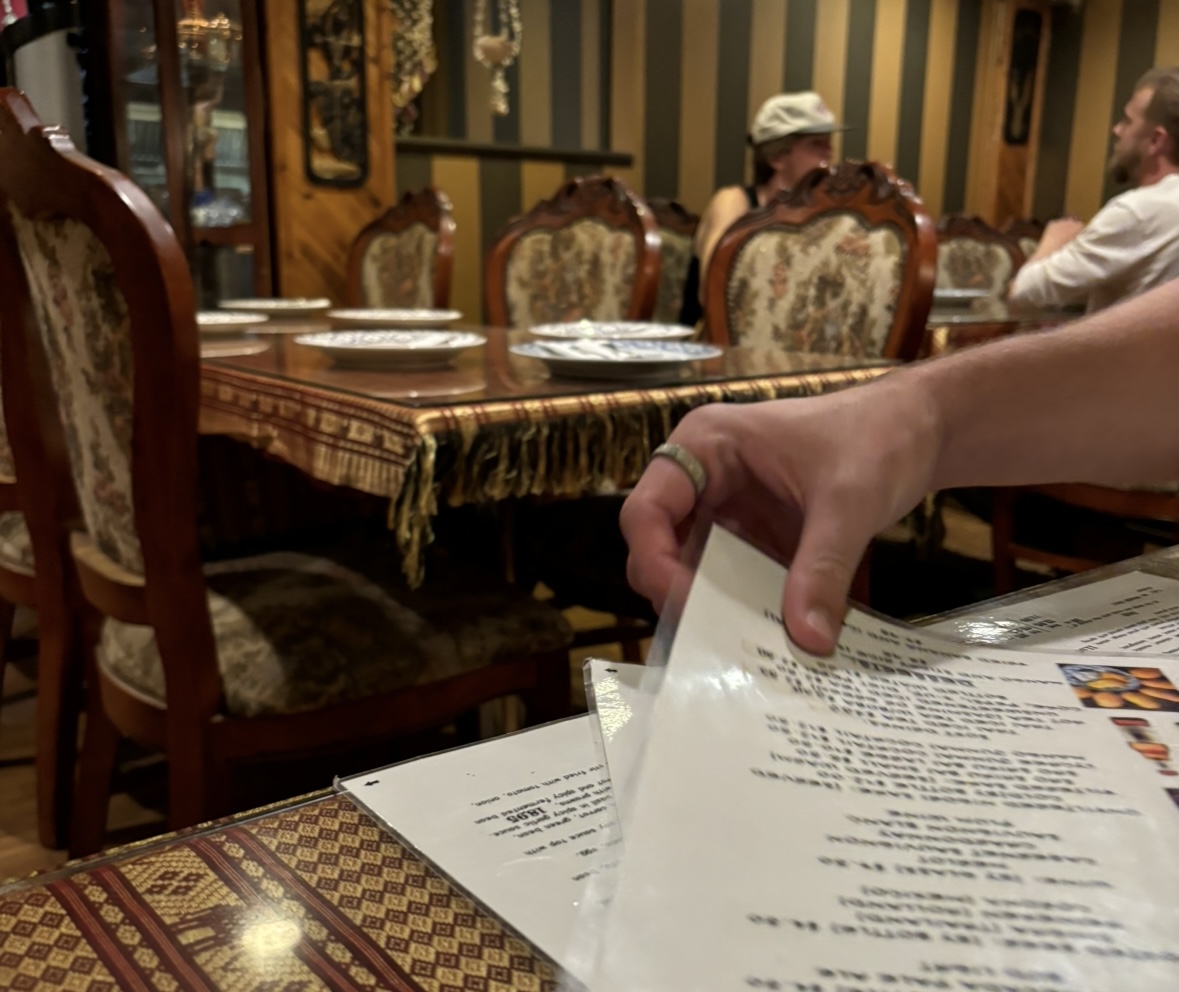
1112 688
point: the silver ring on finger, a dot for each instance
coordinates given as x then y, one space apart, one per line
685 460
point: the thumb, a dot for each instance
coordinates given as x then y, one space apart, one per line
834 537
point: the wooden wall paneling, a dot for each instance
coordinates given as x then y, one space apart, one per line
315 224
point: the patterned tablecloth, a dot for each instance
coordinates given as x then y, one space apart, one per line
477 451
316 896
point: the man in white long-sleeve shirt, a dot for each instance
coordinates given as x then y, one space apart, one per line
1132 244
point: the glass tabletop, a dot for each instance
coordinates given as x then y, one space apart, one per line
996 311
492 372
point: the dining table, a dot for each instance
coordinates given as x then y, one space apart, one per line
490 426
951 328
309 894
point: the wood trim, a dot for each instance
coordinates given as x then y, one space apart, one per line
112 589
254 82
604 198
429 206
872 192
673 216
173 111
479 149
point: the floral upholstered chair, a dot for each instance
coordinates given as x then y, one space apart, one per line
281 653
973 255
842 264
589 253
677 229
1026 232
404 257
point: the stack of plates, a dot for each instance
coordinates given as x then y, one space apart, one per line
292 307
595 359
401 318
616 330
399 350
228 321
944 298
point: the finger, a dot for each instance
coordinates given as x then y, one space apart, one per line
834 536
663 498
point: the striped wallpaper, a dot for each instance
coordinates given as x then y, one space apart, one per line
675 83
688 76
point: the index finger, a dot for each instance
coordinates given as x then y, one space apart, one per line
662 499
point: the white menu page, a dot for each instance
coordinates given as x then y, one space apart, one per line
912 813
1133 613
520 821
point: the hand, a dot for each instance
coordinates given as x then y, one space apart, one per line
810 481
1057 234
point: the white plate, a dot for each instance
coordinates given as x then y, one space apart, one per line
393 318
291 307
959 297
393 349
614 359
232 348
227 321
607 330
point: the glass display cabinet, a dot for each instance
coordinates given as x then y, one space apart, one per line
187 122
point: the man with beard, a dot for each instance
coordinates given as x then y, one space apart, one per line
1132 244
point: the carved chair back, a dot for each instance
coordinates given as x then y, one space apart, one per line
404 257
103 345
843 264
677 229
971 254
590 252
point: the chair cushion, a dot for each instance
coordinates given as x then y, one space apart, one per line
831 285
963 263
16 548
675 256
296 632
397 270
582 271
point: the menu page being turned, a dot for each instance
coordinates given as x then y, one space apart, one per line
911 813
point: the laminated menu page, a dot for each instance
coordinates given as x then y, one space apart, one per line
520 822
912 813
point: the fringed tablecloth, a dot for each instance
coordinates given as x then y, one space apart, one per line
470 452
313 897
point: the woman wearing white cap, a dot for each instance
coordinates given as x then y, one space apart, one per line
791 135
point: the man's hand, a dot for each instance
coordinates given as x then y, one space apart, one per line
810 481
1056 235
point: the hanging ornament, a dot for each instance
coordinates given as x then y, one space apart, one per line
413 54
498 51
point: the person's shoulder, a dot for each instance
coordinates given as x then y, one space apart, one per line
1144 202
729 194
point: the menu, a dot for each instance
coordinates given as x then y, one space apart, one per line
911 813
521 822
1134 613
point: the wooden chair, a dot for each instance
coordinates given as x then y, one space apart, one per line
973 255
1156 504
404 257
1026 232
591 252
843 263
677 229
247 659
59 674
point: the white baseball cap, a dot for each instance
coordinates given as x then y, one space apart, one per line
792 113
